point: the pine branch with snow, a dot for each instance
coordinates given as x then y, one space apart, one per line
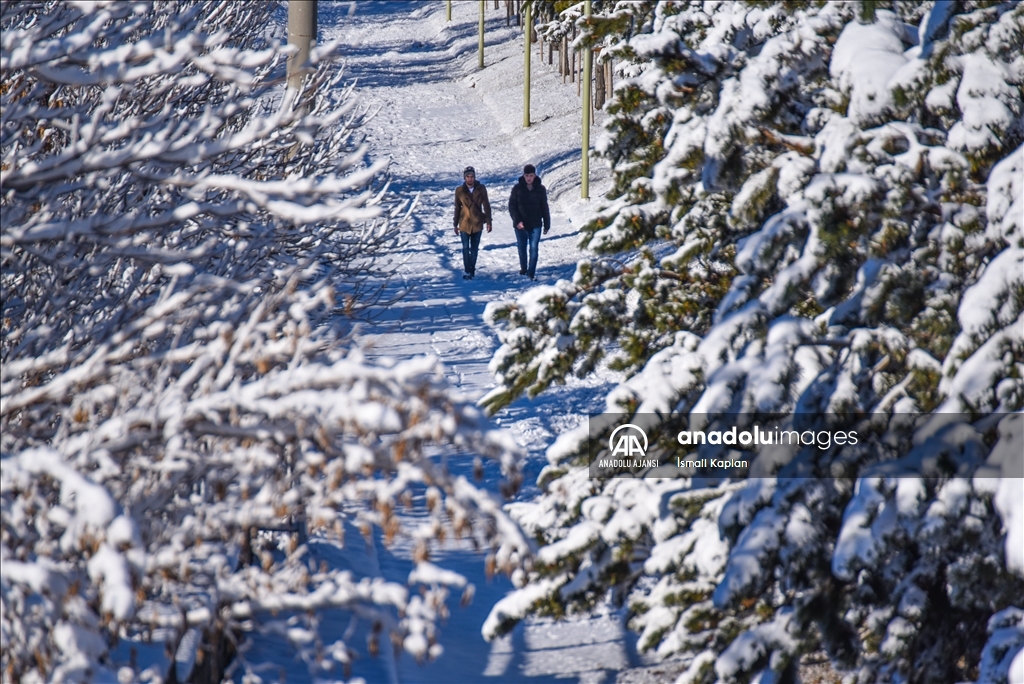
816 212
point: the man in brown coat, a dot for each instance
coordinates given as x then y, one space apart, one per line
472 213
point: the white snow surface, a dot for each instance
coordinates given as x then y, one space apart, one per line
866 56
1009 497
1006 198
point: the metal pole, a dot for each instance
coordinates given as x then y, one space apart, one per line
447 10
301 34
526 69
588 58
480 62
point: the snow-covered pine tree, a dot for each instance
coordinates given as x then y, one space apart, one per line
817 211
610 25
558 19
182 252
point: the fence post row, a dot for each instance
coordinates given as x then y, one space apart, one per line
593 88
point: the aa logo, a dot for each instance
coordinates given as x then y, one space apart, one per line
628 440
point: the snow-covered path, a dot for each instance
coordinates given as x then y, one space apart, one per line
436 114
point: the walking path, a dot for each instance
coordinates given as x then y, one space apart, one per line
436 114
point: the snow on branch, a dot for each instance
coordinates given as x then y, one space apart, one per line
815 212
184 246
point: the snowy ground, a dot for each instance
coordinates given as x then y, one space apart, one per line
437 113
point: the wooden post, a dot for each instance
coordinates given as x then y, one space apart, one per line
301 34
528 33
447 10
572 71
563 58
480 50
588 57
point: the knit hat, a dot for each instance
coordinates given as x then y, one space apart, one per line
469 170
529 168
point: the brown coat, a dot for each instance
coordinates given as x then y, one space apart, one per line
472 209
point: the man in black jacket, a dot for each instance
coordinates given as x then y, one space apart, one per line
528 205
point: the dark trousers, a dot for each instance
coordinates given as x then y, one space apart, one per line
528 237
470 246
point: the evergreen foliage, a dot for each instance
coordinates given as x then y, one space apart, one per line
817 209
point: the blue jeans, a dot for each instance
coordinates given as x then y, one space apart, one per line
529 236
470 247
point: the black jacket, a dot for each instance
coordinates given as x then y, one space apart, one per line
529 206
